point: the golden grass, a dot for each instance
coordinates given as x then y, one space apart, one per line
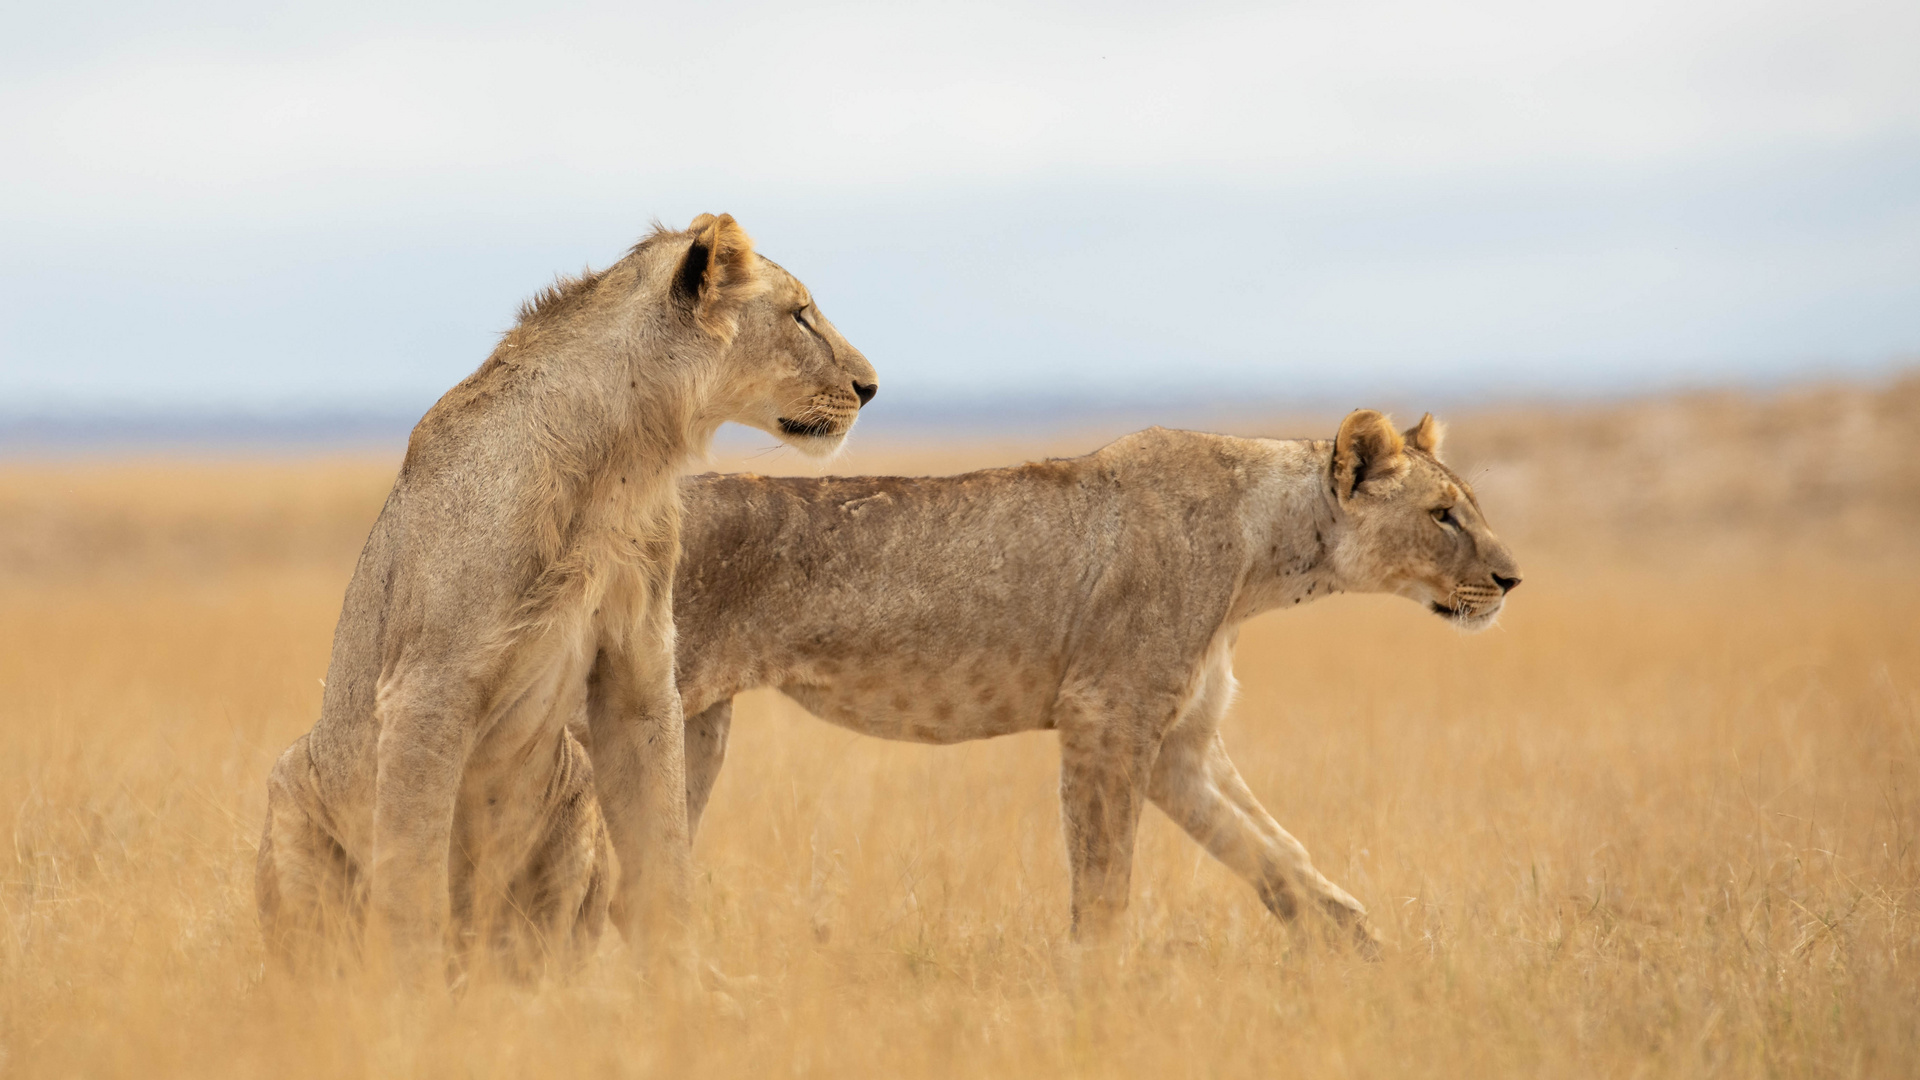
1662 821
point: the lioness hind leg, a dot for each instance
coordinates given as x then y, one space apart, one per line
311 896
1103 788
1195 783
706 752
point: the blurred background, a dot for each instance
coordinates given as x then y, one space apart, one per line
264 223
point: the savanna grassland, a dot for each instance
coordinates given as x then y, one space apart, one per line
1664 820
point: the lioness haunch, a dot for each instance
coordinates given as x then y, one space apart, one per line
1097 596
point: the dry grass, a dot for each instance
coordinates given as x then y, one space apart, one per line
1662 821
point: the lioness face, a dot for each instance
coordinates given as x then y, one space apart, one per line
1412 527
795 376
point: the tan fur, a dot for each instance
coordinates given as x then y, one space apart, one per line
1426 435
520 575
1098 596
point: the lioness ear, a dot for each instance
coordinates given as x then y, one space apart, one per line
1426 435
718 274
1367 448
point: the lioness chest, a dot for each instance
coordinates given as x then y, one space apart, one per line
517 775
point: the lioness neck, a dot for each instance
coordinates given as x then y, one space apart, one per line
1289 523
602 412
625 403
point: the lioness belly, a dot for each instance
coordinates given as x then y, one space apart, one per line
913 704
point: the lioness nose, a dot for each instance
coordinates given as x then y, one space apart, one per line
1507 584
865 391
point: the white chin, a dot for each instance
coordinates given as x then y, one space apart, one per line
816 445
1470 621
1473 624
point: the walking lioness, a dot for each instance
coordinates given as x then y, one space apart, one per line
1098 596
519 575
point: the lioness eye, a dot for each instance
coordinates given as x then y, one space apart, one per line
1443 515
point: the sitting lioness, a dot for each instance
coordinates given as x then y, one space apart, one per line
520 575
1097 596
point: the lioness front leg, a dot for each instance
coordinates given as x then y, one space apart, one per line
561 895
1195 783
639 767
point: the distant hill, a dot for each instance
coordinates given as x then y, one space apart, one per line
1663 481
1835 464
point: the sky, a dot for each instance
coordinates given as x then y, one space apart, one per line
231 206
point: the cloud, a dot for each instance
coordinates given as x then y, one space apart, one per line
870 95
231 202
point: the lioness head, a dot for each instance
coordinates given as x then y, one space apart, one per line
783 368
1410 526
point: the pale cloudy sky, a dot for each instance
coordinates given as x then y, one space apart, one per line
216 205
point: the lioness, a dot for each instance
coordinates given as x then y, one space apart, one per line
521 573
1098 596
